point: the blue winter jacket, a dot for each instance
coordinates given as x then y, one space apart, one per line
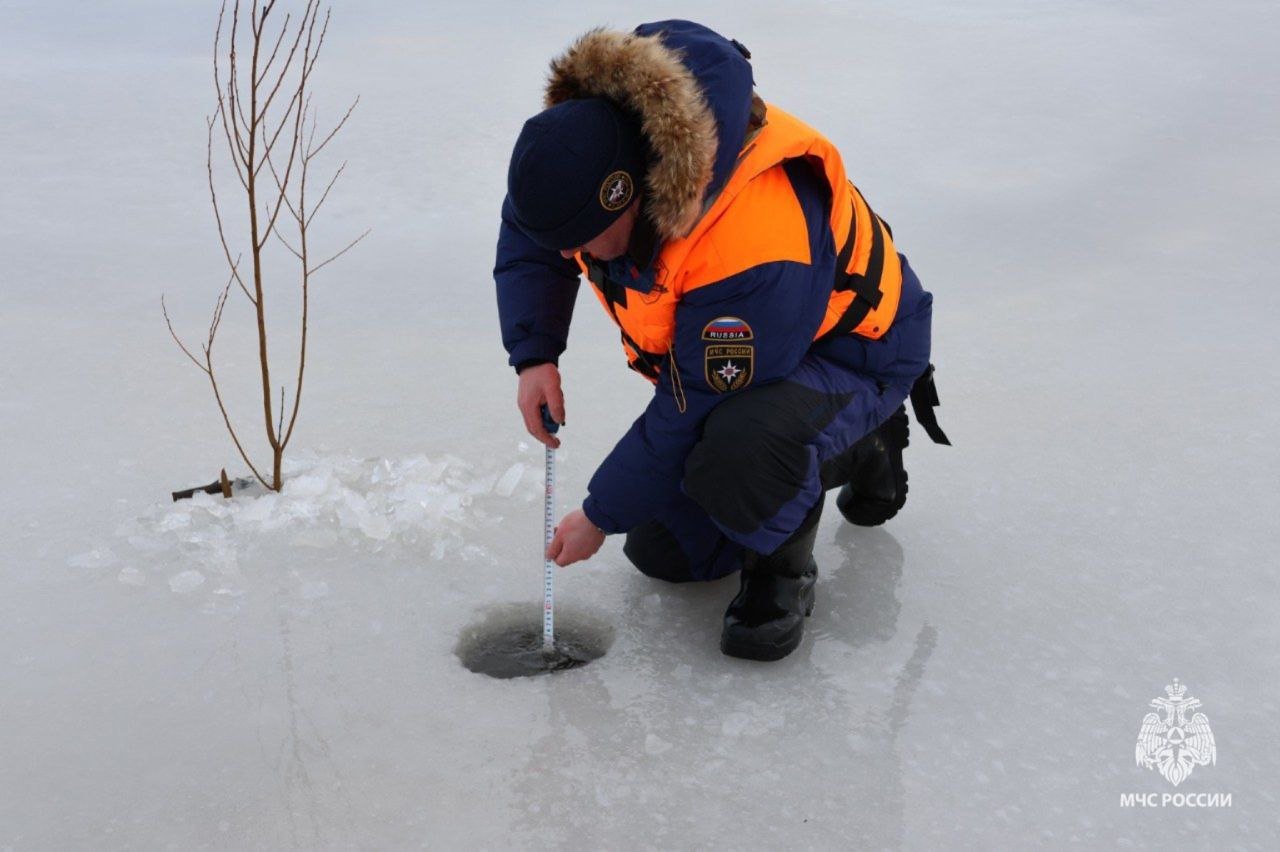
782 301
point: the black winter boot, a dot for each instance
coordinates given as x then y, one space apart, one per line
877 486
766 619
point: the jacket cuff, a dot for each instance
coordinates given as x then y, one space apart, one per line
535 348
596 515
532 362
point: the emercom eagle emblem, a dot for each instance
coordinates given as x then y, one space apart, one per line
1173 745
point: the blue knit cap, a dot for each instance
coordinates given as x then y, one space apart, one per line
575 168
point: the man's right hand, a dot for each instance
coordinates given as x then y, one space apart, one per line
540 384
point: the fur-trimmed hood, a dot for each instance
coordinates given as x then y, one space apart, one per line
692 91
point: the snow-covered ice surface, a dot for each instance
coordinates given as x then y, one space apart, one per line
1088 189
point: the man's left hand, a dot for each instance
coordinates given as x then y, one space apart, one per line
575 539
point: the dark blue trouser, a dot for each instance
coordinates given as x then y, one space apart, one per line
767 453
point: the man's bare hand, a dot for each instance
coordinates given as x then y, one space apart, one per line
575 539
540 384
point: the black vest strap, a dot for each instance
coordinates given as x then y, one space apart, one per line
924 398
865 287
854 314
614 293
644 363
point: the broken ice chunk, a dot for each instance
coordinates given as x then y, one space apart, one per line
174 520
186 582
375 526
99 557
131 576
315 537
507 484
654 744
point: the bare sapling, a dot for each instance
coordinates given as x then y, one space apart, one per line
270 131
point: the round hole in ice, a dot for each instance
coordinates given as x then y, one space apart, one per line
506 641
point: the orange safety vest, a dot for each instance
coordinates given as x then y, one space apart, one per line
757 219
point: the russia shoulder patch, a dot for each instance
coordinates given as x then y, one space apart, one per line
726 328
729 354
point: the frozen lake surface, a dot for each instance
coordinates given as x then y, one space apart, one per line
1088 189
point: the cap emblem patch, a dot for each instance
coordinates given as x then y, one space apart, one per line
616 191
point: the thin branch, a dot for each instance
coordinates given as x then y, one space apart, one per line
227 113
233 86
319 42
311 137
293 418
185 351
302 219
213 380
266 68
261 19
217 395
311 152
274 174
229 100
297 107
269 144
306 280
216 320
293 251
303 29
283 198
217 215
233 92
331 259
297 104
282 184
297 397
294 99
325 194
237 146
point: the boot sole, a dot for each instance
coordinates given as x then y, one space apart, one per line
745 649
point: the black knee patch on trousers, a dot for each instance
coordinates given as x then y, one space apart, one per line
754 455
654 550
